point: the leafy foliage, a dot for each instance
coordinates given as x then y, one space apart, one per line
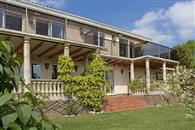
185 54
8 63
21 112
65 68
182 84
136 85
87 89
161 86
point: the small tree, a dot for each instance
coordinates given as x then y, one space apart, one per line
18 112
185 54
88 89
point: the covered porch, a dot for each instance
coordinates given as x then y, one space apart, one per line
40 57
147 68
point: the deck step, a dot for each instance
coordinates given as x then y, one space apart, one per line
120 103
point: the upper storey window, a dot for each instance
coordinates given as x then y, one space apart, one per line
99 38
57 30
13 21
123 46
11 17
42 27
10 20
50 28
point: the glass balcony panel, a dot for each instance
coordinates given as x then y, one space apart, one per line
147 49
164 52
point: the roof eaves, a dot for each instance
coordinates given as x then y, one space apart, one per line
84 19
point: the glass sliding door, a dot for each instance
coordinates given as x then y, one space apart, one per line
110 78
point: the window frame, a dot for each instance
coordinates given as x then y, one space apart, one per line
3 17
99 39
43 20
128 47
32 70
12 13
50 27
62 28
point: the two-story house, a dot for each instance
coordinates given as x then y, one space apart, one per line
40 34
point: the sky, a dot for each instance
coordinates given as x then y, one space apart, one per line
167 22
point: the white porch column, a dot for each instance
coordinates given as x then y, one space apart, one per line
27 61
164 72
132 70
66 50
147 65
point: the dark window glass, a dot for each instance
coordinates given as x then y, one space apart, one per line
95 38
132 51
36 71
1 18
146 49
110 78
57 30
164 52
14 22
123 47
54 72
42 27
101 38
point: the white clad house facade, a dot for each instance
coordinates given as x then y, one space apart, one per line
40 34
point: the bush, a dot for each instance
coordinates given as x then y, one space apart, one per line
137 85
88 89
22 112
182 84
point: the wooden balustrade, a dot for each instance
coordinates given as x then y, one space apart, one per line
48 89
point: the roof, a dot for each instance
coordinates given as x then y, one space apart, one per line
52 11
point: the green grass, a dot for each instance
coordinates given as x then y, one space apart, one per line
156 118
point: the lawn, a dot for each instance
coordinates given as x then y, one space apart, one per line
156 118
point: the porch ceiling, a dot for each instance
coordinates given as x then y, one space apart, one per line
117 62
154 64
44 49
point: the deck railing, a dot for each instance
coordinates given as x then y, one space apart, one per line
48 89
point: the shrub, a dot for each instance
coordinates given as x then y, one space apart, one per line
160 85
182 84
88 89
137 85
